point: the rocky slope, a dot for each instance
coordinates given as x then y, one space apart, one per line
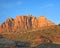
22 23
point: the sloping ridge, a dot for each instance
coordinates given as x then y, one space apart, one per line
22 23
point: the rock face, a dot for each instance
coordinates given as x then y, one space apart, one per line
43 22
7 25
21 23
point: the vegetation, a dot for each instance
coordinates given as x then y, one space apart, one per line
47 45
30 15
29 36
59 24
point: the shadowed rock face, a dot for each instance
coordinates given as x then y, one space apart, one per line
24 23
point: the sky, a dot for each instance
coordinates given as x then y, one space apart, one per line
13 8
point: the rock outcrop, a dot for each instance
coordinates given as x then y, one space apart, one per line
7 25
43 22
22 23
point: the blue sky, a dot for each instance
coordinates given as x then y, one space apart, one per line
13 8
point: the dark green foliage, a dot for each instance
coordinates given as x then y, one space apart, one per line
4 43
59 24
47 45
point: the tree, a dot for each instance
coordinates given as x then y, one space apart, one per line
59 24
30 15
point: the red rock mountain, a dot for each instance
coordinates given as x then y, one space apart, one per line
21 23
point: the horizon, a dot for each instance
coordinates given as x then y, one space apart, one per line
48 8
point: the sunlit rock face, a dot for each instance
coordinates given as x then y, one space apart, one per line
34 22
7 25
25 23
43 22
22 22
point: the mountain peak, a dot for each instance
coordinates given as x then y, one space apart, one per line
9 19
42 18
25 23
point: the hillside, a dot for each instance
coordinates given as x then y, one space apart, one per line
30 29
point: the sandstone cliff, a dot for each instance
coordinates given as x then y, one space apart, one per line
22 23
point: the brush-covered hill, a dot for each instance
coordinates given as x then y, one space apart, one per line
30 29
